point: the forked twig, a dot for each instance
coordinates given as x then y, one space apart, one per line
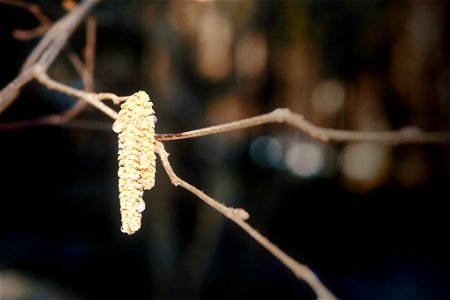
284 115
238 216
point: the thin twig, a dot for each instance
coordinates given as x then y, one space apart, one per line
89 52
284 115
86 72
92 98
53 120
23 124
236 215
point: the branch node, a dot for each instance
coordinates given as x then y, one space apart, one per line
281 113
241 213
175 181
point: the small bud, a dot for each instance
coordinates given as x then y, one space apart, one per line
241 213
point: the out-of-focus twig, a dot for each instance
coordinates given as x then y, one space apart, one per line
87 71
26 34
53 121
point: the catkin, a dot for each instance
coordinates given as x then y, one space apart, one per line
136 128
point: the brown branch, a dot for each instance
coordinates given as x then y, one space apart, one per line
239 216
92 98
284 115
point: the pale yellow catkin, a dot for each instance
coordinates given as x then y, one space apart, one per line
136 128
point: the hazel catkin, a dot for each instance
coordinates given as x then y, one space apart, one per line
136 128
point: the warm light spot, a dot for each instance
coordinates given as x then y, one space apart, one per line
251 56
184 17
68 5
305 159
328 97
364 162
214 44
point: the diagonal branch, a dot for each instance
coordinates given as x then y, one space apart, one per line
239 216
284 115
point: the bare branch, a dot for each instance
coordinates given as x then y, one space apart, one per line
239 216
26 34
92 98
284 115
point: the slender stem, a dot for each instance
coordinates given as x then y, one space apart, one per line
300 271
284 115
54 120
92 98
89 53
31 7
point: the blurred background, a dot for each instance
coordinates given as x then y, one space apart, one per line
369 219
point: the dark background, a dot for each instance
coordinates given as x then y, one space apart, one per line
379 235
